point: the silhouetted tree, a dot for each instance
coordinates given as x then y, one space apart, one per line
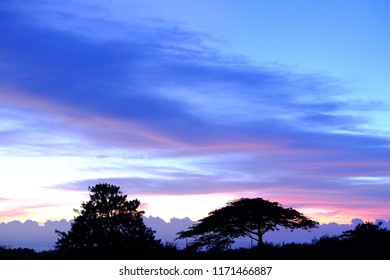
367 241
243 217
363 231
108 222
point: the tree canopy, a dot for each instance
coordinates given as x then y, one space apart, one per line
365 230
251 217
107 222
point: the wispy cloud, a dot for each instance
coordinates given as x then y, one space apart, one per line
154 109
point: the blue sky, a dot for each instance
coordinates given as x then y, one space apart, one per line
188 104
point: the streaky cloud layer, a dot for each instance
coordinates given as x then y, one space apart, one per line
157 111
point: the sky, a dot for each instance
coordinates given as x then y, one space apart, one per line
189 104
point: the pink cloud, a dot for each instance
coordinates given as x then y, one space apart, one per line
22 212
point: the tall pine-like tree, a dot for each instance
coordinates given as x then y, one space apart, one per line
108 225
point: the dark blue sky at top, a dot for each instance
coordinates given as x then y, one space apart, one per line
124 79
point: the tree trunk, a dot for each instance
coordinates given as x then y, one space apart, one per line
260 242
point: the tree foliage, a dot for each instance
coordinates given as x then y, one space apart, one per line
107 222
365 230
250 217
366 241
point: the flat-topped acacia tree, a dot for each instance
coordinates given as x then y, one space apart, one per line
251 217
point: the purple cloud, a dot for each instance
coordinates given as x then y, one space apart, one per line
30 234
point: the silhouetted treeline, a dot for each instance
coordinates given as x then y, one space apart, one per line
110 227
27 254
366 241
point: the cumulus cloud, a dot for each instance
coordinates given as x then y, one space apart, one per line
30 234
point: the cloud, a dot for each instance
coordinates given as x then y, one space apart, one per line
142 85
21 211
30 234
140 81
156 111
